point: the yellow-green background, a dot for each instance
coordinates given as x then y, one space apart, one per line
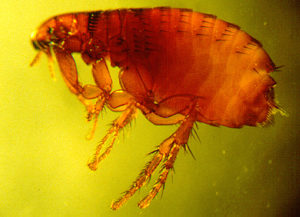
43 152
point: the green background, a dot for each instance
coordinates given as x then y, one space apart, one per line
43 151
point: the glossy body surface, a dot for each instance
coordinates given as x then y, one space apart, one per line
177 66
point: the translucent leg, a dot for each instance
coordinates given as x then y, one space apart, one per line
117 125
162 178
97 108
166 152
150 167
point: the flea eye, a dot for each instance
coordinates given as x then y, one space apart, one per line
35 44
50 30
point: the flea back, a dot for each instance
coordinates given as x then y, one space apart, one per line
181 52
176 67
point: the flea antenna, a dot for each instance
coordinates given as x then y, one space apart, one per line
35 59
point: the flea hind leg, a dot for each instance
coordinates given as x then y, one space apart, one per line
167 153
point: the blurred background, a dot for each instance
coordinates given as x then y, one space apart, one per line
251 171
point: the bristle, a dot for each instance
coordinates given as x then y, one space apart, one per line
278 68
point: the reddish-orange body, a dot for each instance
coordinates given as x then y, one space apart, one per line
177 66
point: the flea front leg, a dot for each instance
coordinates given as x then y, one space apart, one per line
69 72
68 69
100 91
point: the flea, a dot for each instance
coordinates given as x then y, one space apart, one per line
177 66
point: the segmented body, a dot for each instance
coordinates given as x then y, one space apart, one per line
174 55
177 66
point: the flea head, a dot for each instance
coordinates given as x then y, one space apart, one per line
44 36
57 32
42 39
